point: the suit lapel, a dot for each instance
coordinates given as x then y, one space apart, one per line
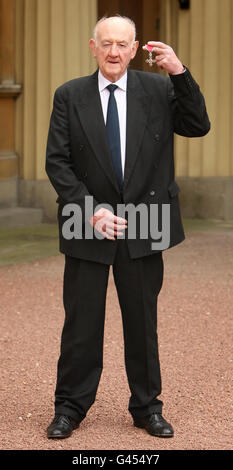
91 116
138 103
90 112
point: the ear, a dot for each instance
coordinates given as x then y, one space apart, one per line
92 47
134 49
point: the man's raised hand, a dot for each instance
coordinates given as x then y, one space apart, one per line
165 57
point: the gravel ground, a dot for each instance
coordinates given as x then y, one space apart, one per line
196 354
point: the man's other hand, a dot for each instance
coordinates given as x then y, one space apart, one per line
108 224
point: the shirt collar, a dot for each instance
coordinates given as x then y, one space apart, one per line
104 82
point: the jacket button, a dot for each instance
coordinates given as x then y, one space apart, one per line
157 137
152 193
81 147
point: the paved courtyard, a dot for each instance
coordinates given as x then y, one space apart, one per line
195 324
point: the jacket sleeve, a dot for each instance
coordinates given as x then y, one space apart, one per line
190 118
59 167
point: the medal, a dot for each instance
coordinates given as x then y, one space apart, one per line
150 61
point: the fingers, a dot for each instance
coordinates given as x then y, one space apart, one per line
148 48
119 221
108 230
160 61
108 224
157 47
165 57
160 45
151 45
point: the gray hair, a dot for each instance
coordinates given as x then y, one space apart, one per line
131 22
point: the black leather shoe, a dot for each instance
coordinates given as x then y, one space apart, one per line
61 427
155 425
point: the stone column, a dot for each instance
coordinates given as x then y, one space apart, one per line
9 90
54 46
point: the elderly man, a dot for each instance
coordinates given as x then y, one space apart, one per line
111 142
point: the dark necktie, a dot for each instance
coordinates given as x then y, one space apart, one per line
113 134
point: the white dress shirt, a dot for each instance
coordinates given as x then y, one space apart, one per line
120 96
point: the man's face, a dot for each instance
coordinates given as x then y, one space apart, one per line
114 47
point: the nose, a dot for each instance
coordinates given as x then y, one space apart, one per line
114 50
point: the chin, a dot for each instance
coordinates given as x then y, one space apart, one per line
114 72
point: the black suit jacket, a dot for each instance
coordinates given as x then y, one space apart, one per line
78 161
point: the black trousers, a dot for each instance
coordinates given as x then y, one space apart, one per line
138 283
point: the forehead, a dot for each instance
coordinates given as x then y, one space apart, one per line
115 29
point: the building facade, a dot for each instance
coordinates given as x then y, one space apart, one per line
44 43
